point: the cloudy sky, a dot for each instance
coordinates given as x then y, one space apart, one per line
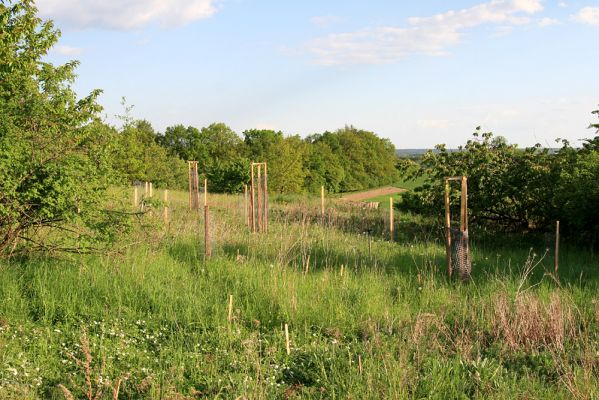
418 72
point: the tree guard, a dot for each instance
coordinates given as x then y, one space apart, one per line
259 197
457 242
194 185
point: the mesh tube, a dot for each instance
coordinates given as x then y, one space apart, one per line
460 253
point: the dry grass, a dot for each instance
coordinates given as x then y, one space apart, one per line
527 323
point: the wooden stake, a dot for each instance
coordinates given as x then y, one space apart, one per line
151 191
230 314
360 364
252 202
556 247
448 228
260 190
207 247
135 200
265 198
197 186
341 272
391 238
245 205
189 180
205 192
464 205
322 204
287 340
165 206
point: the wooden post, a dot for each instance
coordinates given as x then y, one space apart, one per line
207 247
556 247
246 214
260 190
165 206
287 340
322 204
151 191
197 185
252 202
135 200
205 191
448 228
464 205
391 238
194 185
230 313
266 198
360 364
189 180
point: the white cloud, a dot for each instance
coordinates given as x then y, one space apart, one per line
562 4
65 50
424 35
547 22
587 15
125 14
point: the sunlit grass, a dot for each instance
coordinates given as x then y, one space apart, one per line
366 321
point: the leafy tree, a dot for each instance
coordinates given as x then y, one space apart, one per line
507 186
323 168
285 156
182 141
53 162
138 157
228 176
259 142
367 160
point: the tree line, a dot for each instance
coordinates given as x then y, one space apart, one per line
345 160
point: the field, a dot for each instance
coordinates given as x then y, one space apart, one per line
366 318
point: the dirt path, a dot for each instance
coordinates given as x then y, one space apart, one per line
382 191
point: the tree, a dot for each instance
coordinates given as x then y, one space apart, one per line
323 168
367 160
138 157
54 165
285 156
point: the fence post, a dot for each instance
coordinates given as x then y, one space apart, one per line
448 228
322 205
245 205
207 247
165 206
391 237
556 247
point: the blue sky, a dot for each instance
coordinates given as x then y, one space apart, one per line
419 72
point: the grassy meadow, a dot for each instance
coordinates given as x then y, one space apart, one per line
366 318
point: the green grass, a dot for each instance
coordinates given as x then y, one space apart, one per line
410 184
157 315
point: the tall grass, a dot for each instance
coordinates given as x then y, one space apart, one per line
383 322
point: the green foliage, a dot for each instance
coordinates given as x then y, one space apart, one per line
137 157
514 188
53 163
367 160
505 183
324 169
285 157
